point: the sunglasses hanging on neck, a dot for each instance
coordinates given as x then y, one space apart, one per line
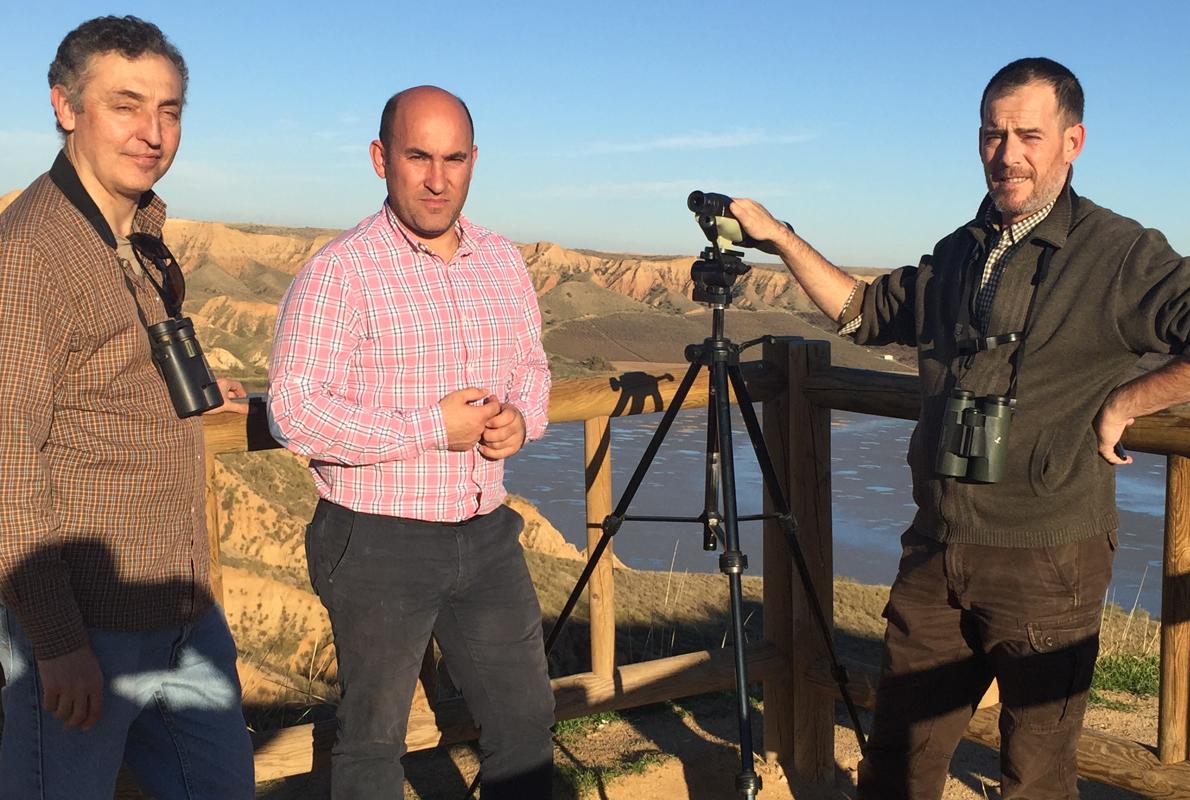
172 286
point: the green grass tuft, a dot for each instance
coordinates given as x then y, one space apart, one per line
570 729
1126 672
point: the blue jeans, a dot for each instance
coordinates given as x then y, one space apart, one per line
387 583
171 712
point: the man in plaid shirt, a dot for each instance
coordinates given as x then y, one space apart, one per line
113 649
407 365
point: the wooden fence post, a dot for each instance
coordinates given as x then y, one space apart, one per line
778 574
810 477
1173 725
597 444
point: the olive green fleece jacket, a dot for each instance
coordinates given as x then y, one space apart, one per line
1114 290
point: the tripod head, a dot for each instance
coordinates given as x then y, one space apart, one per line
718 266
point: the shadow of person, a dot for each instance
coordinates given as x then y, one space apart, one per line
189 666
638 392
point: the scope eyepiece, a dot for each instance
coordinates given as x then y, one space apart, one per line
709 204
712 212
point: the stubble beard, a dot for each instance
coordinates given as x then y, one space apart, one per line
1042 195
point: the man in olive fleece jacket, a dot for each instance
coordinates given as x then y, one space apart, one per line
1006 580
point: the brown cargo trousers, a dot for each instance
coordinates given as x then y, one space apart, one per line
962 614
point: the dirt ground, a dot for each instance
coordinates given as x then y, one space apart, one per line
688 752
686 749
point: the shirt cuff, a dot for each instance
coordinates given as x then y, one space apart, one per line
433 431
535 425
53 625
851 317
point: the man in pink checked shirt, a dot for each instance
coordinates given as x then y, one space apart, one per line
407 364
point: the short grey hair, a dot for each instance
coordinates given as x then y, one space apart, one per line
129 36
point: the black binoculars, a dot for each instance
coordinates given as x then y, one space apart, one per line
192 387
974 441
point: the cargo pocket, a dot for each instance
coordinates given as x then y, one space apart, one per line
1054 676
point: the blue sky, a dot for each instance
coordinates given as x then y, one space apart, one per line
855 121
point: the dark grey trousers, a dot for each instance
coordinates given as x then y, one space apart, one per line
960 615
387 583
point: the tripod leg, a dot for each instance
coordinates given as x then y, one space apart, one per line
789 526
712 521
733 563
612 524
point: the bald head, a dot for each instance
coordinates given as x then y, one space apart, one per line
426 155
420 99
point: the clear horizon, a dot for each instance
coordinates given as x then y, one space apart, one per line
856 122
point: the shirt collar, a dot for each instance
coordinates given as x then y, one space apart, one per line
1052 228
150 210
1017 230
463 227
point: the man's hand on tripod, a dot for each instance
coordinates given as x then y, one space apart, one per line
504 434
828 287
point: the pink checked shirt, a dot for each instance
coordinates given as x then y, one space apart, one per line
374 331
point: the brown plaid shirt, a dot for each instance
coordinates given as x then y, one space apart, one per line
101 496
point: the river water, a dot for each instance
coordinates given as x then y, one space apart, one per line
872 504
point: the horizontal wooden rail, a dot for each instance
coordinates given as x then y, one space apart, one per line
302 748
890 394
572 400
648 393
887 394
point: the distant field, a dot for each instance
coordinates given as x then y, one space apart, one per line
653 336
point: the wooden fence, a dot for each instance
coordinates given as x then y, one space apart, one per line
798 388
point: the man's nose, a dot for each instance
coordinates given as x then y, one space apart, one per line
1010 150
436 177
149 128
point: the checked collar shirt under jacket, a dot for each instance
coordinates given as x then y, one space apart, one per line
1006 242
374 331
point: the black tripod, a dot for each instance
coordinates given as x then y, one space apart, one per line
713 275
